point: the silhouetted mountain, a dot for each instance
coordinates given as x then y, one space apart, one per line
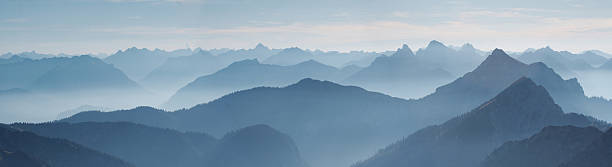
176 72
18 158
50 151
137 63
332 124
400 74
289 56
256 146
137 144
597 154
68 113
550 147
519 111
497 72
248 74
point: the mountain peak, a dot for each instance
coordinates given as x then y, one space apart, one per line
260 46
435 44
546 49
523 92
499 60
313 84
404 51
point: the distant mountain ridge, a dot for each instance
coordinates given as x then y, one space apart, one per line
310 111
137 63
50 151
248 74
176 72
519 111
253 146
64 74
496 73
551 147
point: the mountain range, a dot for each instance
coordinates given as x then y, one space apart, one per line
248 74
497 72
137 63
332 124
519 111
565 63
257 146
402 74
551 147
22 148
176 72
306 110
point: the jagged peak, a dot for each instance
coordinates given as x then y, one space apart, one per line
260 46
499 58
403 51
435 44
546 49
467 47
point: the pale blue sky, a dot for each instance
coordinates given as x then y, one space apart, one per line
83 26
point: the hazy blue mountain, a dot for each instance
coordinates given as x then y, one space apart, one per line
333 125
606 66
176 72
83 73
63 74
23 73
497 72
57 84
458 62
598 154
32 55
401 74
519 111
51 151
248 74
137 144
12 59
256 146
289 56
550 147
137 63
563 62
260 52
601 53
341 59
590 57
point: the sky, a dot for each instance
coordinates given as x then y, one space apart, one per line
105 26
